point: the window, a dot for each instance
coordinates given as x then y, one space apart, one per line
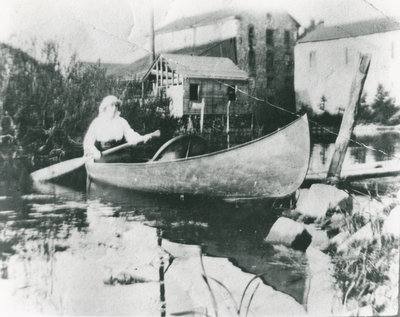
269 37
270 60
194 92
312 59
270 82
288 82
252 39
287 37
252 63
288 61
346 56
232 92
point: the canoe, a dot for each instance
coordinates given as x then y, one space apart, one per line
272 166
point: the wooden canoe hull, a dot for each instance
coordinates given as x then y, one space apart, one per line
272 166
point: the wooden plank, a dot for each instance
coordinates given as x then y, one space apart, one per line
360 171
157 80
227 122
161 73
348 120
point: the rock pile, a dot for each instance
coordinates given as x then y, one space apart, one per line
352 247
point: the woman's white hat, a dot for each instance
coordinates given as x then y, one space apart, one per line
108 102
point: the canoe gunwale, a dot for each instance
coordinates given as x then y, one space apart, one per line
150 162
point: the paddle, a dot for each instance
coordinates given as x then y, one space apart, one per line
65 167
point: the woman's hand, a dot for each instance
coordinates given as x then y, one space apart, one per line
146 138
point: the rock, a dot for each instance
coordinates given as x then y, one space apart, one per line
319 238
340 238
322 198
380 296
369 209
392 223
290 233
364 234
322 299
337 221
303 193
366 311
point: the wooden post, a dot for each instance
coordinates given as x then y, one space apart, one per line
157 80
142 93
227 122
161 272
152 35
346 128
203 104
161 72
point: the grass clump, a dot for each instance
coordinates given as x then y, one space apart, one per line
363 267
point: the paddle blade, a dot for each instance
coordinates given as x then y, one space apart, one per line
58 169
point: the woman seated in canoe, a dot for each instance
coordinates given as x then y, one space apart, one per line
108 130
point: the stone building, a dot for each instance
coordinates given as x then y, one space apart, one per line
258 42
327 57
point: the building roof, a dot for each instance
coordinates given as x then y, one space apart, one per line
204 67
205 19
142 65
198 20
322 33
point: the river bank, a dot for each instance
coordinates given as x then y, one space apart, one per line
374 129
352 245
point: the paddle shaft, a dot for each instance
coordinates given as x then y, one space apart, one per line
126 145
66 167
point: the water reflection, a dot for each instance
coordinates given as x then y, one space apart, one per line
386 145
104 252
230 230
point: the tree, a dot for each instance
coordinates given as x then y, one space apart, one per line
383 107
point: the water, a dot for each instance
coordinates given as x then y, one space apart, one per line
387 147
108 251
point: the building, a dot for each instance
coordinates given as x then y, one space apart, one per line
198 84
327 57
260 43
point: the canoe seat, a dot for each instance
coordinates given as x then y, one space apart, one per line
182 146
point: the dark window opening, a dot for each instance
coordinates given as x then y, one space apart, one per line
269 37
270 82
232 93
194 92
288 61
289 82
270 60
287 37
252 39
252 62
